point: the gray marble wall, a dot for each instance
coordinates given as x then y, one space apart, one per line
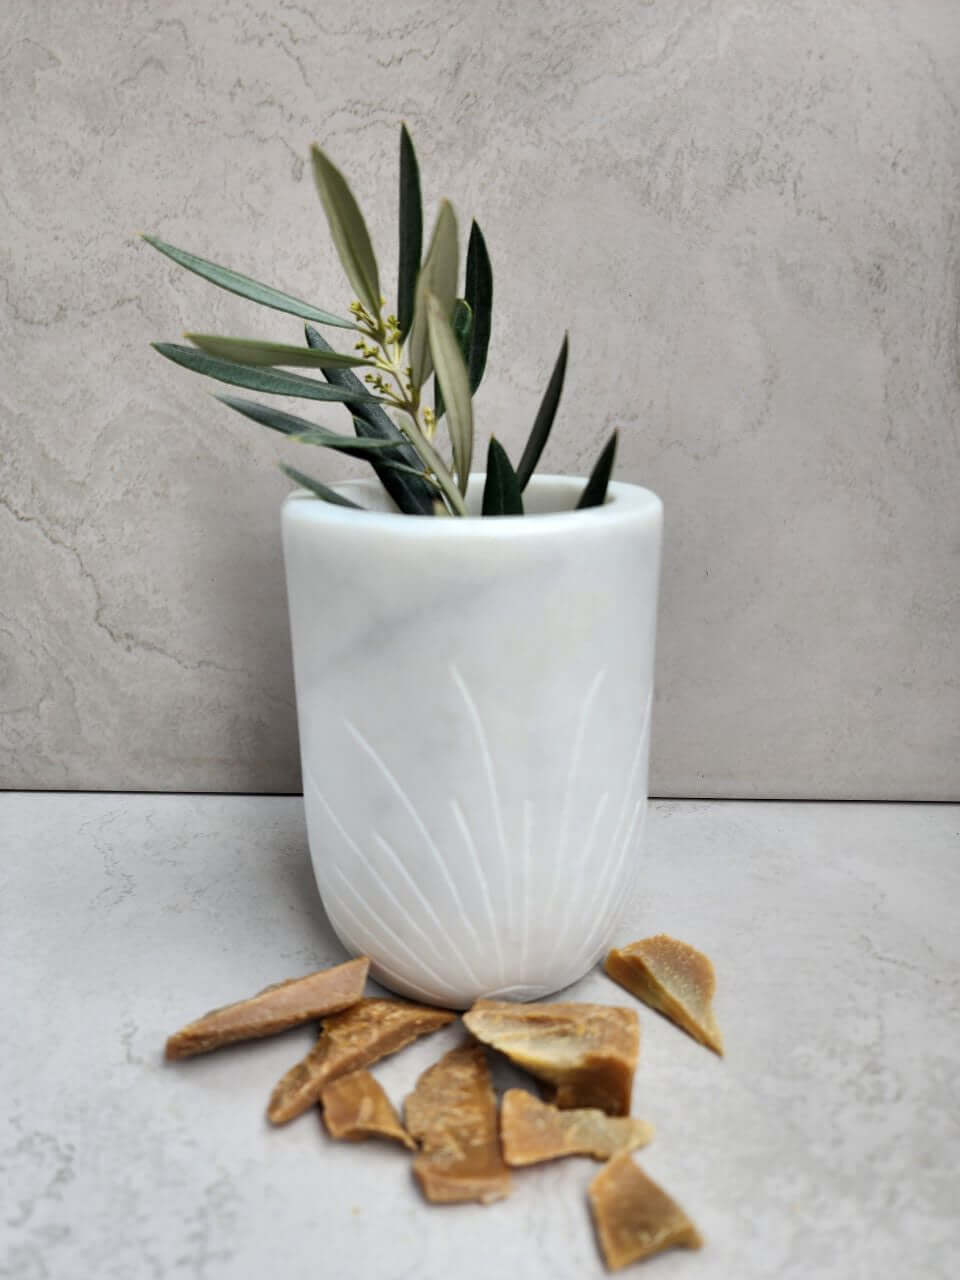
745 213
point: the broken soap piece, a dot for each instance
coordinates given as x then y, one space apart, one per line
285 1004
533 1131
452 1112
634 1217
588 1052
355 1038
673 978
356 1107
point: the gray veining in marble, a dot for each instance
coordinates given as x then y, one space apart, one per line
745 213
824 1144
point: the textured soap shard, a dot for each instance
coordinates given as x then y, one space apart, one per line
356 1038
355 1107
532 1131
673 978
635 1218
587 1052
452 1112
276 1008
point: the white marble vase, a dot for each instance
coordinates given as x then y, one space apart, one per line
474 712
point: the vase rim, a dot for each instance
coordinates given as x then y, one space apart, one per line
555 495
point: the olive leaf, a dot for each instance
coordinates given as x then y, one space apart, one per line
349 231
320 490
595 490
412 496
478 291
250 351
411 231
455 385
462 328
244 287
438 276
266 380
544 418
301 429
501 489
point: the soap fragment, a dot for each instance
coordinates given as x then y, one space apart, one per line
587 1052
358 1037
276 1008
355 1107
452 1112
673 978
634 1217
532 1131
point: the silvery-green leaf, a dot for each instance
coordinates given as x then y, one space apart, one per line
544 418
455 385
289 424
438 276
462 328
479 294
501 489
267 380
244 287
349 231
595 490
411 495
411 231
320 490
264 354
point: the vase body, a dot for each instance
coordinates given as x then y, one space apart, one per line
474 701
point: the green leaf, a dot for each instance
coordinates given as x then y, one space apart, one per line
479 295
369 420
349 231
438 275
301 429
249 351
411 231
455 385
266 380
462 328
501 489
320 490
595 491
544 418
233 282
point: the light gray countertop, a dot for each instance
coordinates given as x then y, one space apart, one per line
824 1145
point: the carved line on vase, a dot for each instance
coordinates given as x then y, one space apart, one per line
611 908
487 761
452 946
605 883
418 821
581 886
482 879
638 756
527 845
345 835
572 769
418 961
338 906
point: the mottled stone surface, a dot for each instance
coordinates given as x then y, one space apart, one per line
823 1145
744 213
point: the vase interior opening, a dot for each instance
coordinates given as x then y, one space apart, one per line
543 496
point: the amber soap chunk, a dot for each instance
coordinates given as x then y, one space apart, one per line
673 978
356 1038
532 1131
588 1052
355 1107
452 1112
634 1217
285 1004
